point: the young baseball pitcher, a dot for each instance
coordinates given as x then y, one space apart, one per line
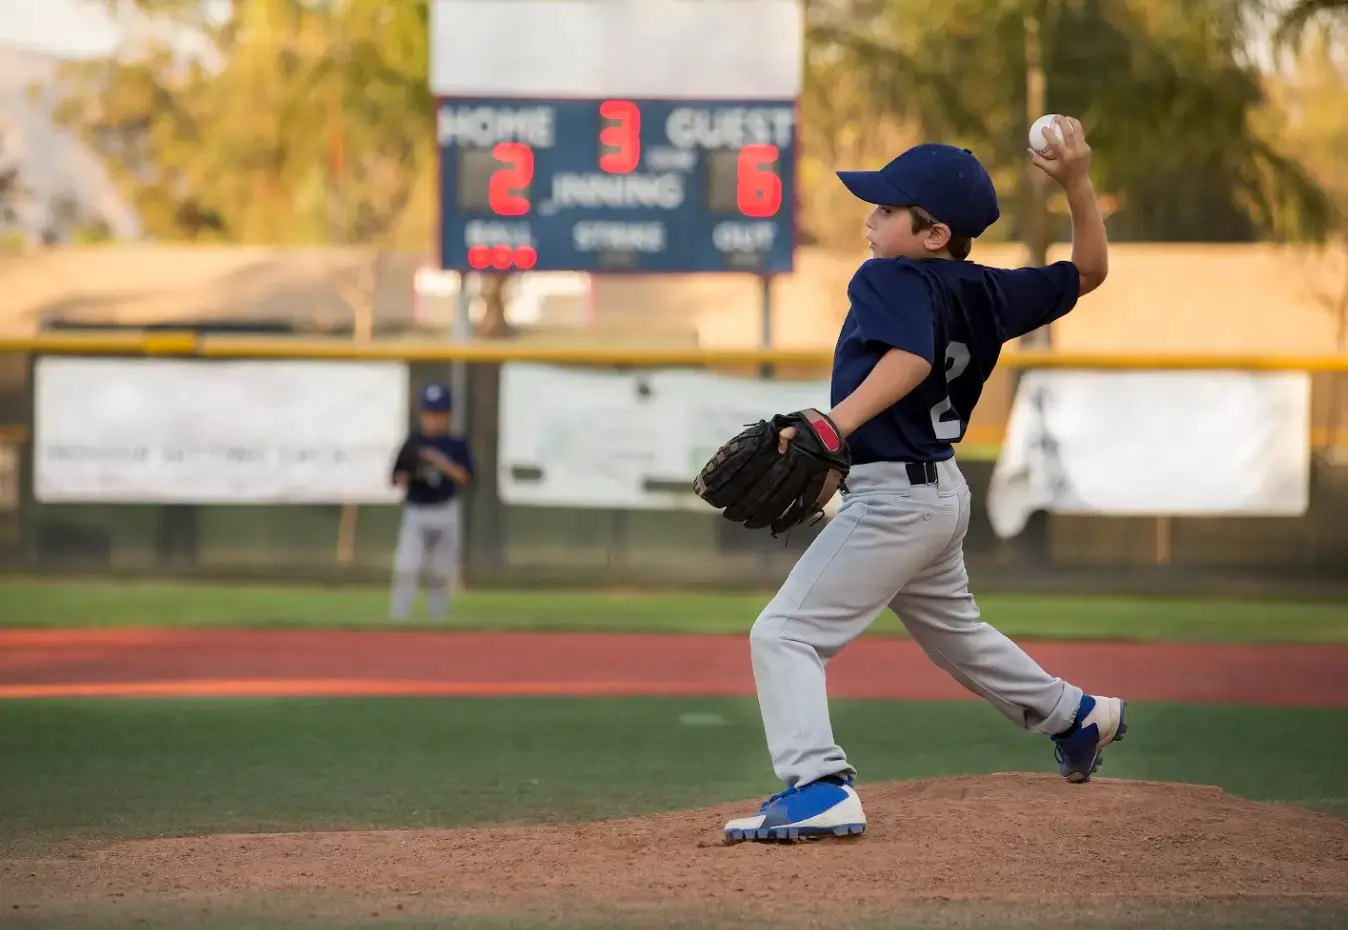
431 468
919 341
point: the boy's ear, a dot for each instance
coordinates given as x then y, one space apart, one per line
938 237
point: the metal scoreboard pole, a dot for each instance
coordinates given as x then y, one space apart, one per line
766 370
461 331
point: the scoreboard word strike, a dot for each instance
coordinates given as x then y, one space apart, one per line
617 185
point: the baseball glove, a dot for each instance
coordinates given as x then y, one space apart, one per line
752 482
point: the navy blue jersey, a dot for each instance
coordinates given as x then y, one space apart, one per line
425 483
955 315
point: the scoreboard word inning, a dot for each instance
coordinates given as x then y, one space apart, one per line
617 185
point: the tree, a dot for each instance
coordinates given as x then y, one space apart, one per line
299 122
12 190
70 220
1303 13
312 121
1308 111
1166 90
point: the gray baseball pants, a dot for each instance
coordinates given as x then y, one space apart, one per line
429 538
902 546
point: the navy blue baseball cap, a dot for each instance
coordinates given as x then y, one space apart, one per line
948 182
436 398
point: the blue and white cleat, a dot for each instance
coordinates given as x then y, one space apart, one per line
1099 722
826 807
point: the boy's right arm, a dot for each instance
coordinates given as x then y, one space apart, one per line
1090 247
1070 166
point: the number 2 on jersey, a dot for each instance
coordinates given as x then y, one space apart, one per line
956 360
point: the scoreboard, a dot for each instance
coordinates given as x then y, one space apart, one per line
618 136
617 184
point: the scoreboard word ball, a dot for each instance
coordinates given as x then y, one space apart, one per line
617 185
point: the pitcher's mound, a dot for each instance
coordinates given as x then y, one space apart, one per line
992 838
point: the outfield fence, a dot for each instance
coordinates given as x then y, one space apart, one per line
518 533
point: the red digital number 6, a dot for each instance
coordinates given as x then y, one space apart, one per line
519 171
758 191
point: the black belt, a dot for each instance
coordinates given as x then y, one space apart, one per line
921 472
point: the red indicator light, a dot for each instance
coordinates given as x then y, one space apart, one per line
504 190
622 138
502 257
759 189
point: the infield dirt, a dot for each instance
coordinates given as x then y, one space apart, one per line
1000 838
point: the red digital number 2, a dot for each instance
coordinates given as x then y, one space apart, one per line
623 139
503 193
758 189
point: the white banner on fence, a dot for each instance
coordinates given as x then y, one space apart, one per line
1155 443
188 431
572 438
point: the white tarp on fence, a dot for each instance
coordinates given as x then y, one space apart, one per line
189 431
574 438
1154 443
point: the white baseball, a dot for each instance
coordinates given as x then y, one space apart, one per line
1037 140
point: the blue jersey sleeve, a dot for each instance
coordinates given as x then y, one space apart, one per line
892 307
1034 297
466 457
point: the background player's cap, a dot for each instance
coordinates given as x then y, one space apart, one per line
948 182
436 398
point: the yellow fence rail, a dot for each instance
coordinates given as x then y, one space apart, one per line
192 345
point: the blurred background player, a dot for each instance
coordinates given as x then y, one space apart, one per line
432 466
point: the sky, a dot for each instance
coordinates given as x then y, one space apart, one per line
67 28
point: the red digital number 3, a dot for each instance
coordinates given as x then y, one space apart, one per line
623 140
503 193
758 191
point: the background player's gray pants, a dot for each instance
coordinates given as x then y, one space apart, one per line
896 545
429 536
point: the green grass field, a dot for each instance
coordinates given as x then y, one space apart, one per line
26 603
116 768
76 772
97 770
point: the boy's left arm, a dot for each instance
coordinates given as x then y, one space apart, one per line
897 373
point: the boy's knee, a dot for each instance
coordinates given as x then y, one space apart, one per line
766 633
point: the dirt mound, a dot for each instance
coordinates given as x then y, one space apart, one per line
1000 837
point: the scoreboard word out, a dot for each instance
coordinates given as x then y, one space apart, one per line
617 185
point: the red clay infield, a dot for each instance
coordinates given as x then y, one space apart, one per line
167 663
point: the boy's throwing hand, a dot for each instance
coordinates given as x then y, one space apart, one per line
1069 158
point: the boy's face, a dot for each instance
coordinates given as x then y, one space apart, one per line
432 422
889 232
